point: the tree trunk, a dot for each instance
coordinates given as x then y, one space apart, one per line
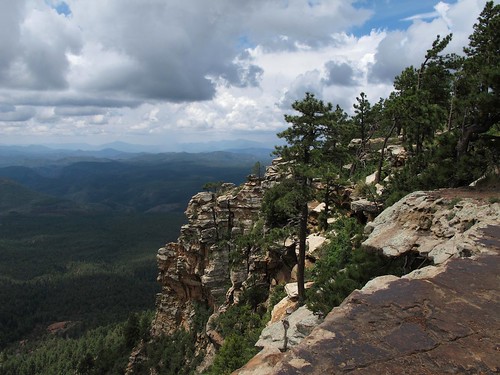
326 211
471 132
301 261
381 160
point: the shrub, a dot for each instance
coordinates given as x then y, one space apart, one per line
241 328
233 354
344 267
283 202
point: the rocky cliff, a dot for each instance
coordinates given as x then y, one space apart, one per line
439 319
203 266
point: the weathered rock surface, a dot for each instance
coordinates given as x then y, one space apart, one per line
205 265
433 224
292 290
314 242
282 309
436 320
301 323
262 362
446 324
366 208
196 267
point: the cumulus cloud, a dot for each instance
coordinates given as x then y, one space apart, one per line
10 31
168 51
34 47
308 82
13 114
292 24
78 111
208 69
402 48
339 74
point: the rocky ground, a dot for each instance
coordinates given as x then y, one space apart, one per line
436 320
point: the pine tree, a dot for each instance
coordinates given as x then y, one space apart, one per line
304 139
479 80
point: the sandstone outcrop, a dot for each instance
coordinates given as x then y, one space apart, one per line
205 266
197 266
300 324
438 319
438 225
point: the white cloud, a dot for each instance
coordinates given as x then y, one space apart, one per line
197 70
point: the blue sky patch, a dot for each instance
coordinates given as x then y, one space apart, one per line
63 8
395 14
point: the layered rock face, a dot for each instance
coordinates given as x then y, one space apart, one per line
198 266
439 225
436 320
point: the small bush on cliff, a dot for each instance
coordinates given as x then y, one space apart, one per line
241 328
344 267
239 320
233 354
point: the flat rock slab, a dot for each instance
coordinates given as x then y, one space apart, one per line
445 324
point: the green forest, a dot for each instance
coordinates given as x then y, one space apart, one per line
90 271
78 243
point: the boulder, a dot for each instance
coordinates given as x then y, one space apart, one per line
282 309
365 208
370 179
292 289
320 207
262 362
301 323
439 319
435 228
429 323
314 242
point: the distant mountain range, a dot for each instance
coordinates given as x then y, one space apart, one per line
36 155
117 181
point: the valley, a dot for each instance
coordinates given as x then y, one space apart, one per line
78 245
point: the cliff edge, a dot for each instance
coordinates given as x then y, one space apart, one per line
438 319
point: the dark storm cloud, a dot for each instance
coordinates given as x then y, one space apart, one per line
172 50
339 74
10 15
120 52
78 111
308 82
391 58
247 75
17 114
177 52
65 99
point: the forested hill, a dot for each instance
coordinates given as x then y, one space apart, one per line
156 182
79 234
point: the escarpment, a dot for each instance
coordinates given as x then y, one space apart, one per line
435 319
438 319
203 266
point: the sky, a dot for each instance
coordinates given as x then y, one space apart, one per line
165 72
